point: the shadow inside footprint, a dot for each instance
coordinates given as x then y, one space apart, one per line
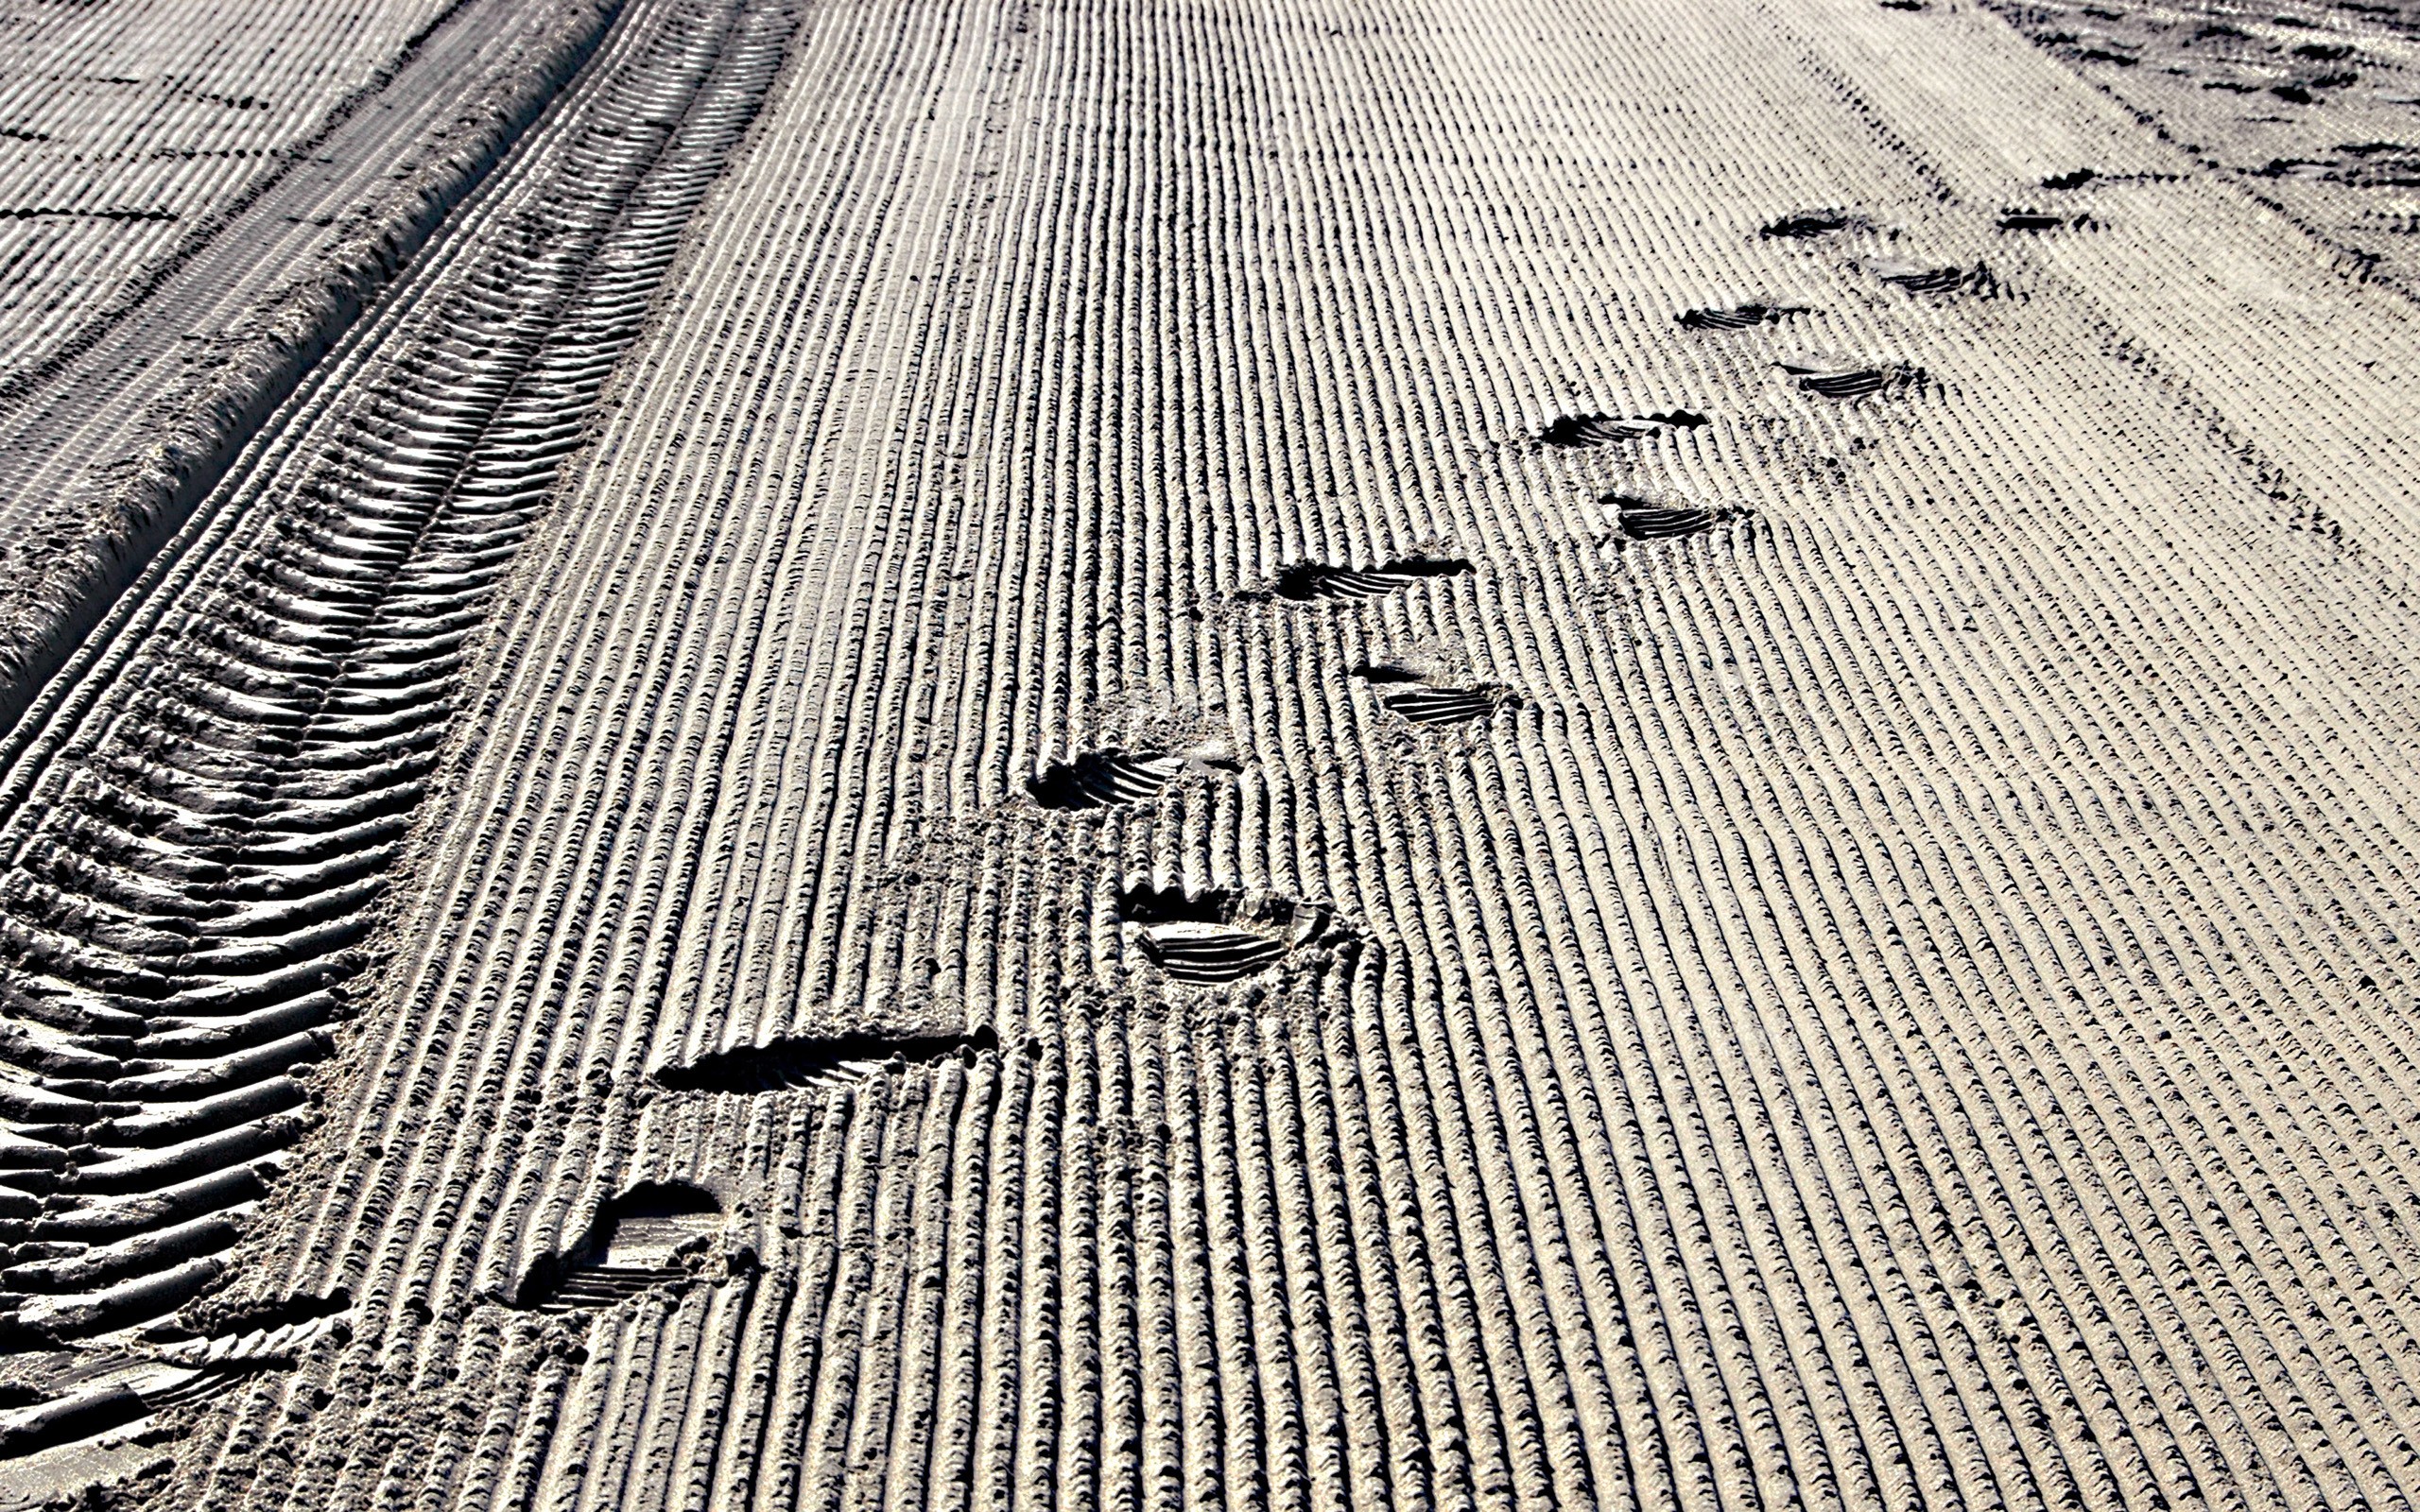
1101 779
1601 430
640 1241
1738 318
819 1061
1918 279
1830 380
2030 221
1307 581
1424 699
1807 224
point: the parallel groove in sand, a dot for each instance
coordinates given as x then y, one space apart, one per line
163 372
1807 1052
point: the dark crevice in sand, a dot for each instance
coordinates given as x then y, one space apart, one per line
820 1060
1927 279
1104 778
1307 581
67 1419
1830 380
1601 430
1808 224
1737 318
655 1234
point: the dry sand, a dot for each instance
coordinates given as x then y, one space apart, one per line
1309 757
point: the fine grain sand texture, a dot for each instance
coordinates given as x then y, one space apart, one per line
1481 753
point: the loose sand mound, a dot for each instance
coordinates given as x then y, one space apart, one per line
1489 754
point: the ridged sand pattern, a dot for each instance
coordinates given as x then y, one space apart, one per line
310 149
204 854
121 138
2307 105
160 1382
1909 1005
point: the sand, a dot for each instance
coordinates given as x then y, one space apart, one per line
1312 757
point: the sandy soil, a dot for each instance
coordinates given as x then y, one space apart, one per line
1497 754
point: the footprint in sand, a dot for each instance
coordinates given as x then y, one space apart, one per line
1739 317
1836 378
1216 936
1308 582
1104 779
1426 697
1574 431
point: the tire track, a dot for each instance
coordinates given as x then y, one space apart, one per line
143 404
189 888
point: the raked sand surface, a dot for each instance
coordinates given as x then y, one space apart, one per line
1303 756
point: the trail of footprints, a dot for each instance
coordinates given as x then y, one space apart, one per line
1207 938
1217 937
123 1166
